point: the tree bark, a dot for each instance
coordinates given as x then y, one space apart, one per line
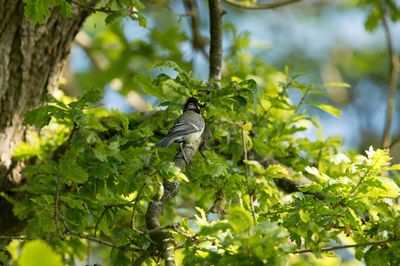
31 60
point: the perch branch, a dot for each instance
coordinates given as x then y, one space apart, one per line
165 241
248 5
137 199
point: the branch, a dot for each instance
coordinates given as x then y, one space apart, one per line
103 242
99 219
198 42
215 42
15 237
326 249
80 235
286 183
394 69
135 205
100 63
272 5
90 7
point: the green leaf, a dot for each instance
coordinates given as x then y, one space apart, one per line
25 151
113 15
39 117
372 20
239 218
38 253
65 7
276 171
90 98
304 216
70 170
328 108
337 84
380 187
37 10
3 258
256 165
170 65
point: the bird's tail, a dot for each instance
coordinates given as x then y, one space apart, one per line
165 142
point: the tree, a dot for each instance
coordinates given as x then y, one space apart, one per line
94 183
31 63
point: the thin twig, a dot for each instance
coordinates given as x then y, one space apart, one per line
326 249
215 64
89 7
301 102
246 174
250 5
353 191
267 214
85 42
135 206
15 238
100 217
198 42
394 69
57 206
103 242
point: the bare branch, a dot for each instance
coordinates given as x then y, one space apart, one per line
103 242
394 70
91 7
100 63
248 5
326 249
198 41
15 238
215 42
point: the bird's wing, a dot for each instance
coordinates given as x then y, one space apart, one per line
182 128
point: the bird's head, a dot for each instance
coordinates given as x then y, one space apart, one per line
193 105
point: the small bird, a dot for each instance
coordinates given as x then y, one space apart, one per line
188 128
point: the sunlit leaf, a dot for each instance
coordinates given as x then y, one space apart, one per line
38 253
328 109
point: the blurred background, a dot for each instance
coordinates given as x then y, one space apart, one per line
327 41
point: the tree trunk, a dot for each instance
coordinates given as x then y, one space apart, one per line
31 59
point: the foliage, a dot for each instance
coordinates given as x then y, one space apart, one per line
38 10
108 167
93 172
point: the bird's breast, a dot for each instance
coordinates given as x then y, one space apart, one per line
193 138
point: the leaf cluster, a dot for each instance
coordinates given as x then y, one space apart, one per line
105 170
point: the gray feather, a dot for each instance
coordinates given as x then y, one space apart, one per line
189 122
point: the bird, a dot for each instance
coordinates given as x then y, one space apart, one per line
187 129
